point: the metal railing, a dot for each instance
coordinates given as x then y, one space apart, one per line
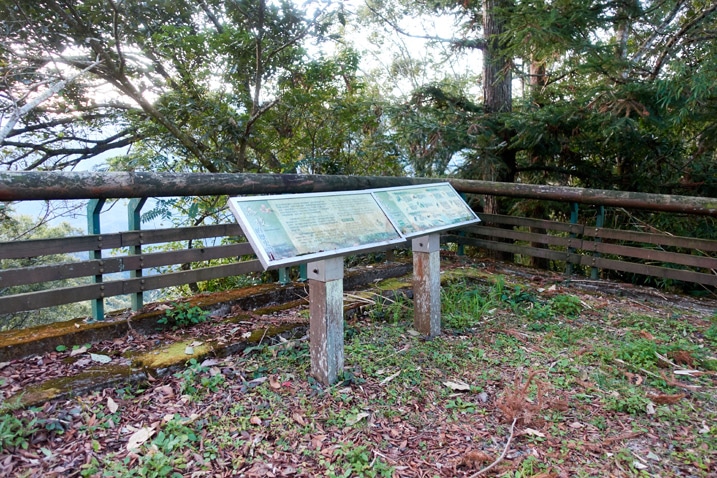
571 243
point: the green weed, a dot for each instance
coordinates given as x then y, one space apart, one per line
14 432
463 306
358 461
567 305
183 315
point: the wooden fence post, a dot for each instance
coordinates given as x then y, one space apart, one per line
326 324
427 284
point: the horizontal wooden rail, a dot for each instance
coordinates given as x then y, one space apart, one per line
36 185
633 252
111 265
48 298
586 245
68 245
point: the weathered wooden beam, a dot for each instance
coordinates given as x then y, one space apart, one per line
65 245
43 185
110 265
326 322
427 284
36 185
48 298
601 197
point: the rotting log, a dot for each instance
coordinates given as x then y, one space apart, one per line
39 185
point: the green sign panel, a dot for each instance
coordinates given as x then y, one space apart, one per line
418 210
298 228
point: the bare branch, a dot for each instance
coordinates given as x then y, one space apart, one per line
667 50
54 89
647 44
458 43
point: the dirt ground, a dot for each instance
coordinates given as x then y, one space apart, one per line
621 383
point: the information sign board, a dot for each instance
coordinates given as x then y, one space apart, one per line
298 228
420 210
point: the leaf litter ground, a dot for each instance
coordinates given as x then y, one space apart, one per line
533 376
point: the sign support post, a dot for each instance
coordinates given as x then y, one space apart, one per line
326 323
321 228
427 284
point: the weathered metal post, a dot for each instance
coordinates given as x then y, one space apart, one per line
599 222
427 284
134 223
461 250
284 275
94 208
573 220
326 324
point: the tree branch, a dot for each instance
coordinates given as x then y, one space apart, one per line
502 455
458 43
54 89
667 50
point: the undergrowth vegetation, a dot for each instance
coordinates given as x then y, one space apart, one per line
532 381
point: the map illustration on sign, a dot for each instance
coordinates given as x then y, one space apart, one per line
297 228
418 210
282 228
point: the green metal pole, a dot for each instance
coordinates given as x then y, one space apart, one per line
94 208
599 222
573 220
134 223
284 276
461 251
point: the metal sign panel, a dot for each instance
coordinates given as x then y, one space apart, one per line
421 210
297 228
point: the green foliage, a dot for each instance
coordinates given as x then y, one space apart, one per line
464 305
627 400
183 314
198 380
15 432
165 455
567 305
711 334
358 461
391 310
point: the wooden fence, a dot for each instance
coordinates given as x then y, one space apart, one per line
571 243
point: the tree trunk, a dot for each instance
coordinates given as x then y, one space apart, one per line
498 96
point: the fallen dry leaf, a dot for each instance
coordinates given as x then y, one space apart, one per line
457 385
255 420
78 351
357 418
100 358
139 437
530 431
298 419
317 441
473 459
112 405
665 399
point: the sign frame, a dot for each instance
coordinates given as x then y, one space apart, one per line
449 194
240 209
399 213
